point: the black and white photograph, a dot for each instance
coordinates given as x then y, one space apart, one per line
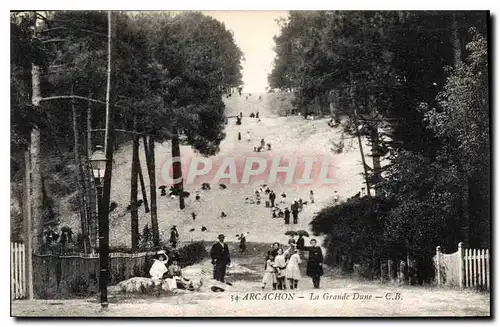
300 163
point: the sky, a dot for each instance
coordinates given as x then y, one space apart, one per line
253 33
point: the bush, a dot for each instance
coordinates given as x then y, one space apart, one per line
189 254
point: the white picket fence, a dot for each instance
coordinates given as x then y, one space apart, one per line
17 271
466 268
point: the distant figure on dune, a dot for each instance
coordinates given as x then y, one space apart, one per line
262 143
222 186
197 197
268 146
257 114
205 186
272 198
295 212
241 114
193 215
243 242
163 191
311 196
223 214
287 216
239 136
174 236
249 138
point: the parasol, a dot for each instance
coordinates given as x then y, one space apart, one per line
291 232
303 233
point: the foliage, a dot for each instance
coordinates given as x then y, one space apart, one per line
440 145
169 71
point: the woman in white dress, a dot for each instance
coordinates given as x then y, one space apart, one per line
292 272
280 263
269 277
159 268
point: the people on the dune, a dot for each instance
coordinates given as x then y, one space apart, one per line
220 258
175 273
243 242
311 196
174 236
159 267
287 216
292 272
272 198
314 263
280 265
269 277
295 212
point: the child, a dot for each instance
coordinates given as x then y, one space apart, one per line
292 271
269 272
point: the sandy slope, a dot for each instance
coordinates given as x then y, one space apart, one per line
290 137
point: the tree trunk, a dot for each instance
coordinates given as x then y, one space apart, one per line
89 127
365 169
375 141
80 179
143 186
149 148
91 190
134 218
177 169
455 41
36 195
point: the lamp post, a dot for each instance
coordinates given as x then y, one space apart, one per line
98 161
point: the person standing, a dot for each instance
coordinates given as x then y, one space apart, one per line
174 236
292 272
239 136
315 263
249 138
272 198
243 242
300 242
295 212
274 250
280 264
291 240
220 258
269 277
311 196
287 216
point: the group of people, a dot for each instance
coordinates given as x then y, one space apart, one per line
280 265
284 265
170 271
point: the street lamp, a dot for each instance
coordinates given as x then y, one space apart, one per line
98 162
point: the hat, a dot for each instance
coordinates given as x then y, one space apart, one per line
220 235
161 252
173 227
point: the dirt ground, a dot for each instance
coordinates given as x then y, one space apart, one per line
413 302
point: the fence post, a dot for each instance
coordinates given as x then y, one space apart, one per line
460 265
438 265
12 279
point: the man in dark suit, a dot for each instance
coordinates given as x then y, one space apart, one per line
220 258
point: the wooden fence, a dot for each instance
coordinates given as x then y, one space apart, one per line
466 268
17 271
77 275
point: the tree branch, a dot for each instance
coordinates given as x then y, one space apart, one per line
54 40
79 97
